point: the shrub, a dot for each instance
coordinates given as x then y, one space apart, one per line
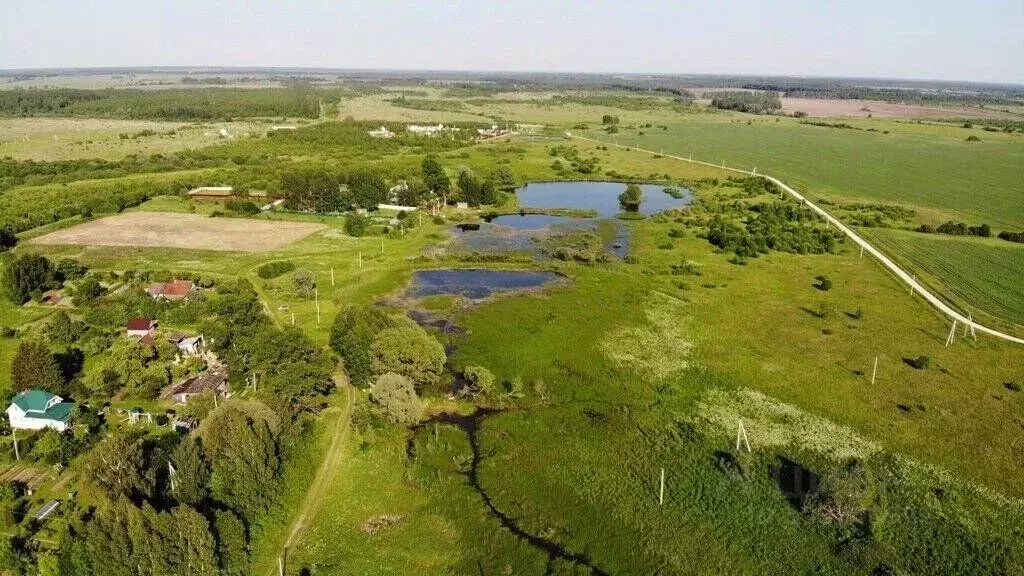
973 138
397 397
1012 386
357 224
304 283
920 363
1012 236
823 283
274 269
479 380
246 207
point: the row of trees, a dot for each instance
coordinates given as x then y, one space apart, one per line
954 228
323 190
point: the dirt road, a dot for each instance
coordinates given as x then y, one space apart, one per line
916 287
322 482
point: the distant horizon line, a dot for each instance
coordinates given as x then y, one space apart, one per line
322 69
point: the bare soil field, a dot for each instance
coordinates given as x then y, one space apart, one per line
188 231
878 109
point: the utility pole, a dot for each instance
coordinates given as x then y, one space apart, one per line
316 298
332 275
741 435
360 260
293 318
661 494
874 371
17 455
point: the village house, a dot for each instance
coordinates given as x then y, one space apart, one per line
141 327
188 346
173 290
36 409
213 380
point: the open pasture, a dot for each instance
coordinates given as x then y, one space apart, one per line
982 276
189 231
822 107
918 166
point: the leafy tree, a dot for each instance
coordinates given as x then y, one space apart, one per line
191 473
408 350
631 198
69 269
63 329
609 119
474 190
397 398
124 366
367 188
240 442
232 546
26 274
88 290
352 334
117 467
434 176
34 366
504 177
304 283
55 447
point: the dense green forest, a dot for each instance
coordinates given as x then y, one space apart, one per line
750 102
299 100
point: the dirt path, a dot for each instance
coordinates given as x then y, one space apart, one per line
318 489
915 286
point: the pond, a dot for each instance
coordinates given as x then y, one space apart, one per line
528 221
600 196
475 283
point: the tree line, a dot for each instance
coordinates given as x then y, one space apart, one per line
749 102
299 100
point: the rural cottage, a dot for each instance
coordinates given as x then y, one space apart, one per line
37 409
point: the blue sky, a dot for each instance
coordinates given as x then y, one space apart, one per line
976 40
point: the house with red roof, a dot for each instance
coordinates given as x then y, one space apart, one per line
141 327
173 290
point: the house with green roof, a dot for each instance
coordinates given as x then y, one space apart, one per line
37 409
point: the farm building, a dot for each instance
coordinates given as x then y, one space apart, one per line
213 380
37 409
174 290
214 192
381 132
225 193
139 327
188 346
426 130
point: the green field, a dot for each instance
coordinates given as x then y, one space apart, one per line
983 276
625 369
931 169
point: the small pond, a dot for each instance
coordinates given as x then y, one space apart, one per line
600 196
528 221
475 283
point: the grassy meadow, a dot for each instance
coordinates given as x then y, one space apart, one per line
637 366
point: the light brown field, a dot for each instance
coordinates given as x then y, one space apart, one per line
877 109
187 231
77 138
